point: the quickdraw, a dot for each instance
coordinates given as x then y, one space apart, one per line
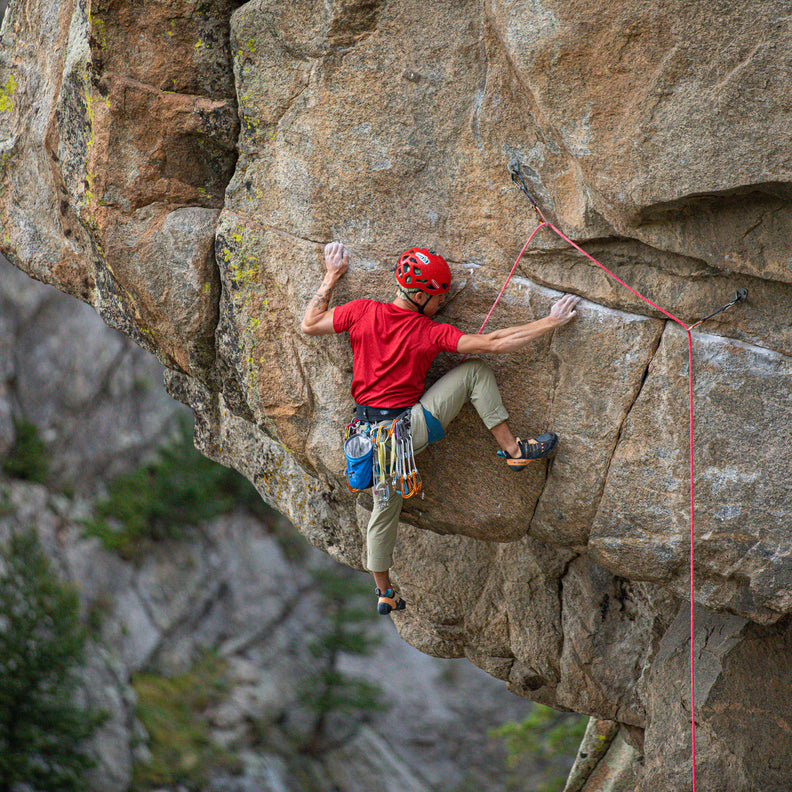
402 462
393 460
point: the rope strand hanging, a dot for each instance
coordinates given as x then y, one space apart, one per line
742 294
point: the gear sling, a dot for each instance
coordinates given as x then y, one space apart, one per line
379 454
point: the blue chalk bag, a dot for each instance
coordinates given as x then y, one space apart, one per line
359 453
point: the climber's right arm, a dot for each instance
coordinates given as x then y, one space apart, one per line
509 339
512 339
318 319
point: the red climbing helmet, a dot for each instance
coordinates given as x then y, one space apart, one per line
423 269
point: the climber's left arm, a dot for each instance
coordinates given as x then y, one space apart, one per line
318 319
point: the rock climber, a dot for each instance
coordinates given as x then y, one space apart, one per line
393 345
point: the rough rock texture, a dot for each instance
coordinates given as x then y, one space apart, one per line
655 133
736 710
132 119
606 762
234 586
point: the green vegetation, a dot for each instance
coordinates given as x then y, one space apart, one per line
166 497
41 642
174 711
543 738
330 692
28 458
7 93
5 503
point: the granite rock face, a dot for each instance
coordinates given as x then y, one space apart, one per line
655 134
243 589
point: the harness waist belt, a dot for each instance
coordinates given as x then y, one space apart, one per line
375 414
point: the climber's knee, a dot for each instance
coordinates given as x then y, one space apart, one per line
484 394
475 368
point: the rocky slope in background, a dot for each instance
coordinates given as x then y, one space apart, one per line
180 164
232 588
233 591
95 399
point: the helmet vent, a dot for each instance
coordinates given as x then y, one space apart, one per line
425 270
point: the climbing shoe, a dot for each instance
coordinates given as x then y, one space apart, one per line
539 447
389 601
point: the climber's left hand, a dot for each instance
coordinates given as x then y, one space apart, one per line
336 258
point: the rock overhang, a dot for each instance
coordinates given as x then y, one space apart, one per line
384 124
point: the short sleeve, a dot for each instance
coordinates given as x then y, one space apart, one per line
344 316
446 337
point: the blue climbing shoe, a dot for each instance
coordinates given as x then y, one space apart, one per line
537 448
389 601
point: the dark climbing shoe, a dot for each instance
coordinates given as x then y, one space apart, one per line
389 601
539 447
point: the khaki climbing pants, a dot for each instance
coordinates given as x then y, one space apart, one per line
470 380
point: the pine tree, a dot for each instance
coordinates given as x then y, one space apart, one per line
549 739
28 458
42 731
331 692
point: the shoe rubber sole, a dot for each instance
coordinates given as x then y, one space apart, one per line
384 608
521 463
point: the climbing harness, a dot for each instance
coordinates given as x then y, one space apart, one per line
742 295
382 454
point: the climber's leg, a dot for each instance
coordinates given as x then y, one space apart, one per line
505 439
382 580
475 381
381 532
380 541
471 380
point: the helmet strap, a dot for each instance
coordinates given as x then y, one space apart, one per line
418 305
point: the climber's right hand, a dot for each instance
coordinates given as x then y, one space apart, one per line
564 309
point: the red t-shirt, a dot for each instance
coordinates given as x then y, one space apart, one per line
393 349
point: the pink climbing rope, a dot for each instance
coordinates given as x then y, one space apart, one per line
543 223
508 278
692 540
